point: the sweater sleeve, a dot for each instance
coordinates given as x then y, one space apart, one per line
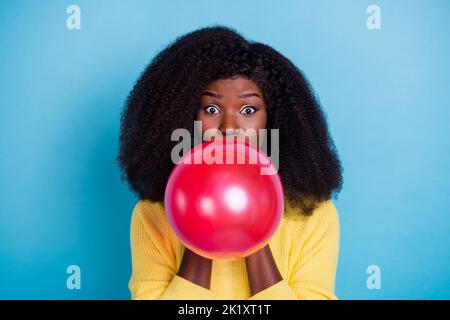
154 265
314 259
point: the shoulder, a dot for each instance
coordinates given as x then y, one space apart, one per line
148 210
326 214
151 216
151 232
324 219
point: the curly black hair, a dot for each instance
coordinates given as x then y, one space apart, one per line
167 94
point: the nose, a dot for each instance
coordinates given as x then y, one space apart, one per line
228 122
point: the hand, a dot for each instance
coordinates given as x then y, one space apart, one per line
195 268
258 254
262 270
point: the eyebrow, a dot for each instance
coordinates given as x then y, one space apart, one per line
251 94
220 96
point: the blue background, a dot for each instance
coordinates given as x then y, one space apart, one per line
62 91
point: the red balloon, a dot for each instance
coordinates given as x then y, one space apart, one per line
219 203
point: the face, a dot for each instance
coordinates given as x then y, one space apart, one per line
234 103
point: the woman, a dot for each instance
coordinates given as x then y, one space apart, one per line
216 76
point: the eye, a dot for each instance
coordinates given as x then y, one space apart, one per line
212 109
248 109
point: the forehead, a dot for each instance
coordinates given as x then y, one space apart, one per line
233 85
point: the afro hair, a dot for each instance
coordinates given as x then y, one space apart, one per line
167 94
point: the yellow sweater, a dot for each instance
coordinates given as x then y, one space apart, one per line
305 250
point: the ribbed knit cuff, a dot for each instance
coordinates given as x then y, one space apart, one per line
182 289
279 291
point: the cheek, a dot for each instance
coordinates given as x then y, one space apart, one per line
208 122
263 120
257 122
